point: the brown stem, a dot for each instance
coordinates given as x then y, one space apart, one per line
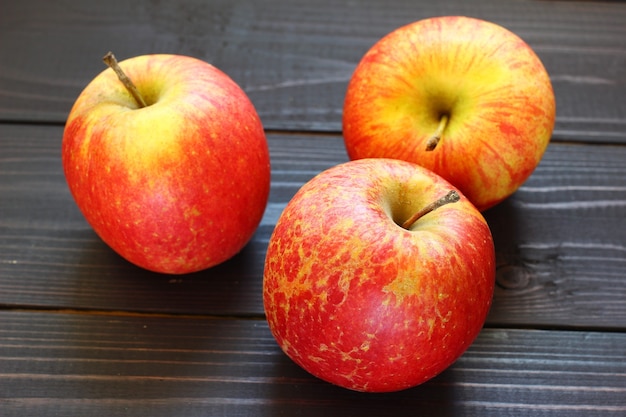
451 197
432 142
110 60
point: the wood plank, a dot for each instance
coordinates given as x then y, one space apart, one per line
82 365
294 58
559 239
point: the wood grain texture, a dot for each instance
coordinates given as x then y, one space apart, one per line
84 333
560 239
80 365
294 58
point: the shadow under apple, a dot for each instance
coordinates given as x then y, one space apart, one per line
513 274
104 280
298 393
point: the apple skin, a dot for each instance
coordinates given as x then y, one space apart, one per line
493 87
177 186
363 303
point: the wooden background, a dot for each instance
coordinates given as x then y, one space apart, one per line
82 332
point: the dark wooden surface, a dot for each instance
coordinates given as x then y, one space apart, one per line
82 332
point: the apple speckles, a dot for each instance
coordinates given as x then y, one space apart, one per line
192 212
403 286
362 302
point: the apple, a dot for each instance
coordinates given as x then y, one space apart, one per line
175 184
463 97
376 278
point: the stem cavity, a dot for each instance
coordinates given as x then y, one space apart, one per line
451 197
432 142
110 60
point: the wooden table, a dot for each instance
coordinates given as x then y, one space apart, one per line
84 333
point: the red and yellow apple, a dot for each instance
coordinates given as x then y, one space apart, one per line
465 98
364 288
179 185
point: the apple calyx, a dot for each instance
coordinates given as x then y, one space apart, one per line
451 197
110 60
432 142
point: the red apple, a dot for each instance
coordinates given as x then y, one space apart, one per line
179 185
362 295
463 97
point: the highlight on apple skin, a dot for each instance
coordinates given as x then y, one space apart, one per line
358 300
463 97
179 185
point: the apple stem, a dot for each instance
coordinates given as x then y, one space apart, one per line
432 142
110 60
451 197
